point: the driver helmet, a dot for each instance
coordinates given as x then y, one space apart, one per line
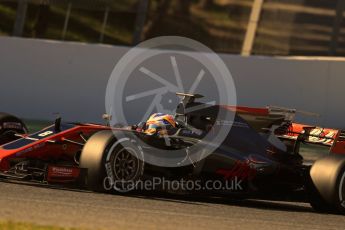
159 122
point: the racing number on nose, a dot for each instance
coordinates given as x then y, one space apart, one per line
44 134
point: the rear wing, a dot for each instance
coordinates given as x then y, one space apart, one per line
310 134
335 139
338 146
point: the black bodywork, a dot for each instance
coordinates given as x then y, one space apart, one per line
245 154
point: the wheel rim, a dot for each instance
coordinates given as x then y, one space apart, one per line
125 165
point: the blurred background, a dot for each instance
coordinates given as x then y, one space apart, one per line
258 27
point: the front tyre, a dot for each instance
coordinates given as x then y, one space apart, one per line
113 163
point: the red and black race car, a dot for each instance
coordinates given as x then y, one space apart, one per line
270 155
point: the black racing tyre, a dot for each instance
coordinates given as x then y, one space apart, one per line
317 202
328 178
10 125
113 163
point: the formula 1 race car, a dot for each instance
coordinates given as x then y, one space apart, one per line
272 157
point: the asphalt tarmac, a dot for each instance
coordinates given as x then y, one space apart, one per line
73 208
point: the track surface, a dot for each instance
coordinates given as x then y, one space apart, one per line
68 208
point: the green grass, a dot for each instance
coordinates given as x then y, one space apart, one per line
10 225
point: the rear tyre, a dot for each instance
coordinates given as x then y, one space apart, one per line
112 163
328 179
317 202
10 125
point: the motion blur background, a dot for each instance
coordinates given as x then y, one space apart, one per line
284 27
57 55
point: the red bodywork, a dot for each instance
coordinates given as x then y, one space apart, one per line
51 146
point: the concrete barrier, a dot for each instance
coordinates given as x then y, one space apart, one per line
40 77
